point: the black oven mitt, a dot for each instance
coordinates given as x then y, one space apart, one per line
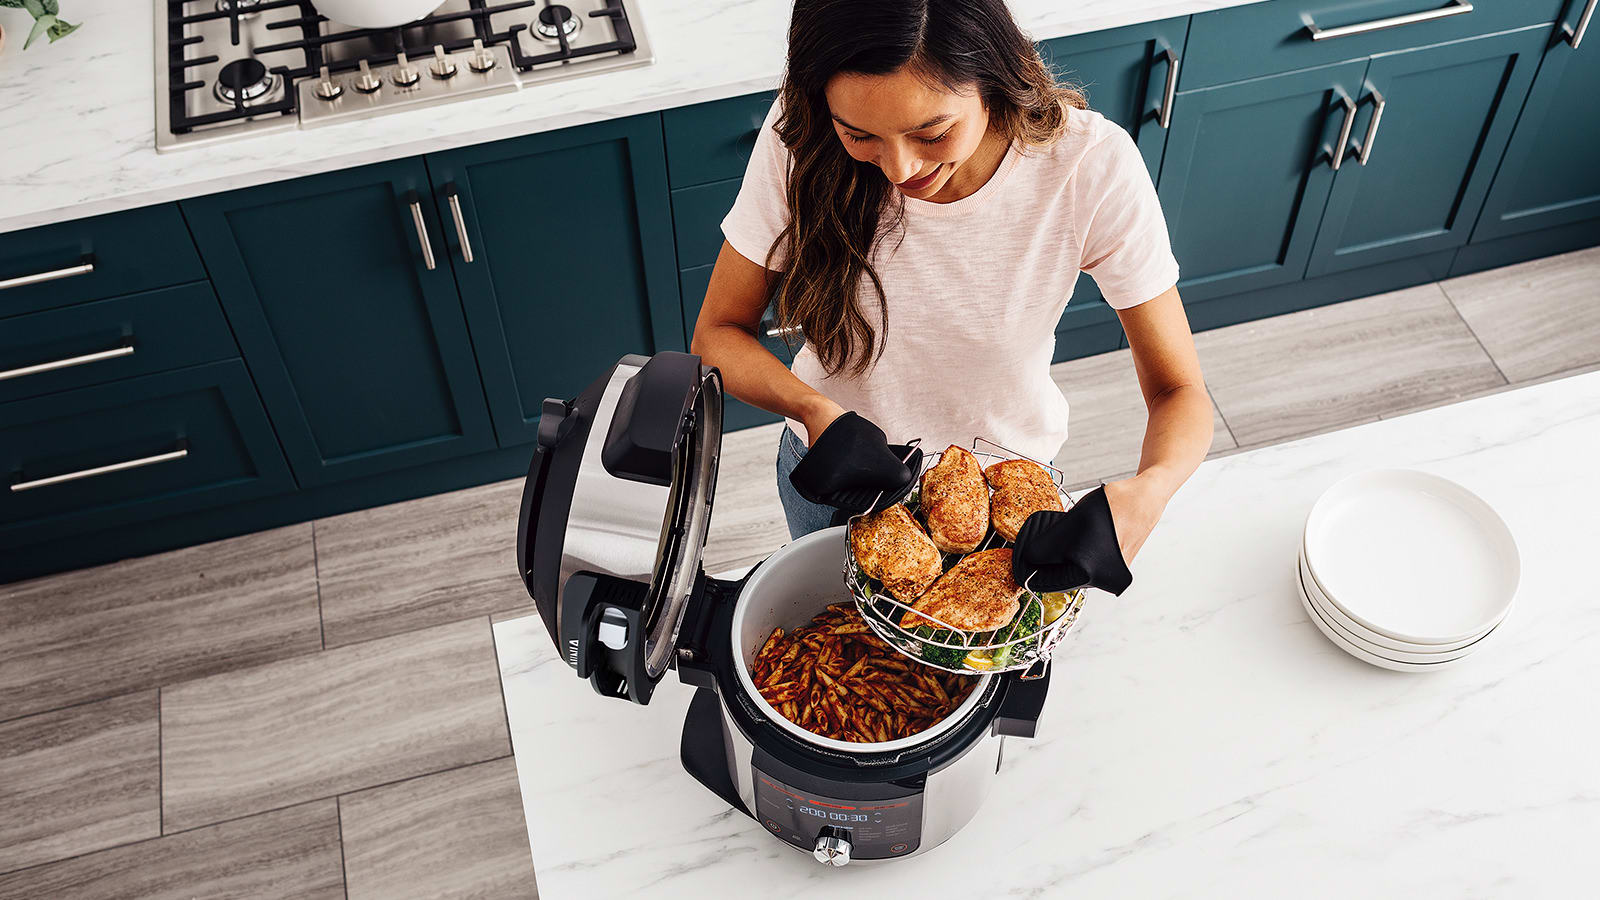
1061 551
853 468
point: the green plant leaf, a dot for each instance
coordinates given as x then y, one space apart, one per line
14 4
60 30
50 7
40 26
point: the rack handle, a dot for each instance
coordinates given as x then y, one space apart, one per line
1574 35
1365 150
170 455
415 202
1453 8
779 331
1164 116
454 198
86 267
125 349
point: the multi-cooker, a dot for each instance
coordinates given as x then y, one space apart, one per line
614 518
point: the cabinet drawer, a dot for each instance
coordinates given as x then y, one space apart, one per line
697 214
56 265
133 450
1263 38
712 141
93 343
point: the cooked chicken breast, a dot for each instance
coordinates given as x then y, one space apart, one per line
891 547
1022 487
955 502
977 594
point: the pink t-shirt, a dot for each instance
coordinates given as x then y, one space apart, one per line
976 287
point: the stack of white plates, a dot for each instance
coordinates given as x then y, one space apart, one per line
1406 570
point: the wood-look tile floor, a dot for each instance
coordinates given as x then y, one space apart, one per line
315 711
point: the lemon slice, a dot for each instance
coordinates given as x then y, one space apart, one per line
1054 605
980 660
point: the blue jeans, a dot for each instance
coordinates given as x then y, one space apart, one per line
802 515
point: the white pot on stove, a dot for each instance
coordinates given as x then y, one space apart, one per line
376 13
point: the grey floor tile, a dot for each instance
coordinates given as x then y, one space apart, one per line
424 562
291 854
144 622
1538 317
747 521
456 834
78 780
329 723
1311 370
1106 427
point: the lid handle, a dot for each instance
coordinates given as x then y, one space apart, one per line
648 420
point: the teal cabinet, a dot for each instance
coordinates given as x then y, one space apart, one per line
92 343
343 303
1125 72
572 259
1433 125
133 450
712 141
1551 172
90 259
1247 173
1263 38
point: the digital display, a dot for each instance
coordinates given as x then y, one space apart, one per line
877 828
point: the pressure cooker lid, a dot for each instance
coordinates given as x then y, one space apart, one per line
614 516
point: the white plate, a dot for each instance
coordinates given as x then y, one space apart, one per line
1329 632
1357 638
1412 556
1350 626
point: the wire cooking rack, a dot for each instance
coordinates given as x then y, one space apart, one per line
1012 647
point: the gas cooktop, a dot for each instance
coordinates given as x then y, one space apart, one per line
239 67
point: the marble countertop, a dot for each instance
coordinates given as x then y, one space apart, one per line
77 118
1202 738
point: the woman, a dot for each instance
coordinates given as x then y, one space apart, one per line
918 206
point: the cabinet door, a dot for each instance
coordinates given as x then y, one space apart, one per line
572 260
1246 176
1551 172
355 342
1415 174
1125 72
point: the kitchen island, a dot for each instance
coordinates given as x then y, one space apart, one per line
1201 737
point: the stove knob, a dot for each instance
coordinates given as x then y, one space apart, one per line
832 849
404 75
480 60
327 88
366 83
442 67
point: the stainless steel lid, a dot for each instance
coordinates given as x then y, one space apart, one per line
615 516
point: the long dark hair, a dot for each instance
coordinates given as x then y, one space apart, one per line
840 209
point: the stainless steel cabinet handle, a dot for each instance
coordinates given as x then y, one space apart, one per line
783 332
1344 133
461 222
170 455
84 268
415 202
1165 116
1453 8
125 350
1365 150
1574 36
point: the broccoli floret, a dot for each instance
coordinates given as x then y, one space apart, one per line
1025 626
949 657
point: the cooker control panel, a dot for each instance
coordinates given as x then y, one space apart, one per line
874 829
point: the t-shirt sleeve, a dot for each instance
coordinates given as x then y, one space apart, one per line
761 212
1120 225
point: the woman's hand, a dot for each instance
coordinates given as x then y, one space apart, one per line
1136 505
